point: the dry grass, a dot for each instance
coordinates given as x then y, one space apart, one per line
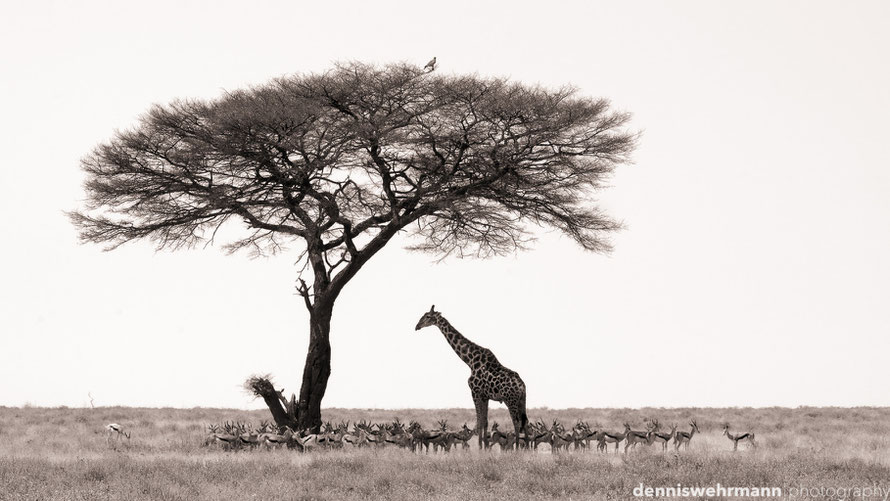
61 454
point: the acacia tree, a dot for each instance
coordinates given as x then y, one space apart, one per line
338 163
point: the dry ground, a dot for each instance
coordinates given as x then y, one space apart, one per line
60 453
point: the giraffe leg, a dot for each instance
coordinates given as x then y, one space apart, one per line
516 431
520 419
516 415
481 420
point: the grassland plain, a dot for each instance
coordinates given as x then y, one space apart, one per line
61 453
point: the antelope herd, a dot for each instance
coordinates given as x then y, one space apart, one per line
581 436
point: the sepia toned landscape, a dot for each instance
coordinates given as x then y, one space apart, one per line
366 251
63 453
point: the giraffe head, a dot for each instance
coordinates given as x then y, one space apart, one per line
429 318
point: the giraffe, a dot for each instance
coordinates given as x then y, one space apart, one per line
489 380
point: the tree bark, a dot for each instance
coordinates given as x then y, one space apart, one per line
262 387
317 368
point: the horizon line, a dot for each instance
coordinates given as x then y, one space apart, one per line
469 409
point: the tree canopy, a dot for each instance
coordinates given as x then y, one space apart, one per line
333 157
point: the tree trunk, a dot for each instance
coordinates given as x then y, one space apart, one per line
317 369
279 413
261 386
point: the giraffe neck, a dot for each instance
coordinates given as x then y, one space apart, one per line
464 348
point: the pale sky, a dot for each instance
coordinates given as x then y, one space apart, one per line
753 270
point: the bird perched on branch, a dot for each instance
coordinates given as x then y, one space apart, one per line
430 66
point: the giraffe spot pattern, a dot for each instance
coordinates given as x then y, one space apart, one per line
489 380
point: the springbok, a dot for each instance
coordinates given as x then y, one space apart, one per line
114 431
612 438
402 437
579 436
539 433
422 439
737 438
499 437
445 439
250 437
463 436
683 438
308 441
227 436
664 438
357 438
372 437
559 439
590 434
276 440
632 438
332 436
